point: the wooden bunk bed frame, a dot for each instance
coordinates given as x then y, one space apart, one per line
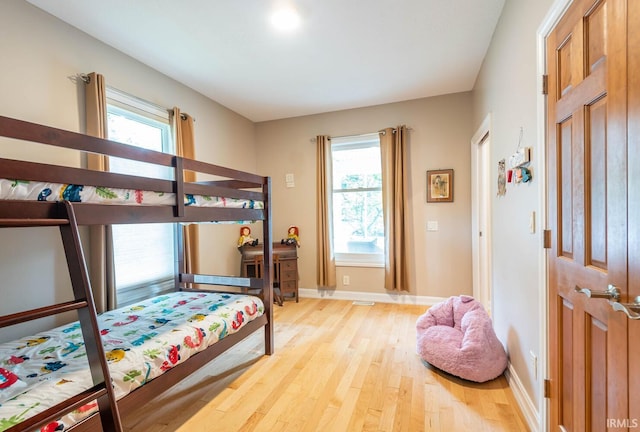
68 216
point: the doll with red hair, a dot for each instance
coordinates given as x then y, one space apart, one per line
245 237
292 236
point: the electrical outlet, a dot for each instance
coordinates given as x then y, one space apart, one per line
346 280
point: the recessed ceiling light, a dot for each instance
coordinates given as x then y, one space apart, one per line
286 19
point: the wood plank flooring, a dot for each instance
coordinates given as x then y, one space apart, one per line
337 367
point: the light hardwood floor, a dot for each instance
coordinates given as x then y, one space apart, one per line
337 367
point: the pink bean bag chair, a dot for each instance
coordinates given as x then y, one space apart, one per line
457 336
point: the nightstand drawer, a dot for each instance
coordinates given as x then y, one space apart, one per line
288 287
289 275
288 265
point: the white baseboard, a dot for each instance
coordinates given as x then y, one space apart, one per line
525 403
388 297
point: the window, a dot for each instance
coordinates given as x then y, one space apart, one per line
358 226
143 253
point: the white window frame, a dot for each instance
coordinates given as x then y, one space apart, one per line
352 259
144 112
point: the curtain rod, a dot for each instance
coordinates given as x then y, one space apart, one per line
355 136
86 79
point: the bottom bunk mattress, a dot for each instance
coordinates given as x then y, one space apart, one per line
141 342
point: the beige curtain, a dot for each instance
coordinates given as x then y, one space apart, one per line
185 147
101 248
326 261
395 210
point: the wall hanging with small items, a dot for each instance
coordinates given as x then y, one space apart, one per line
519 164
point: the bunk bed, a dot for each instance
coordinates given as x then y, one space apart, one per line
36 194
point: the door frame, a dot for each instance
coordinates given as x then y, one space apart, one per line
553 16
482 292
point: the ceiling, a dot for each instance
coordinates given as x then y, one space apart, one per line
345 54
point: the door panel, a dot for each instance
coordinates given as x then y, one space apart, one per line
564 67
596 35
596 159
566 193
566 360
596 390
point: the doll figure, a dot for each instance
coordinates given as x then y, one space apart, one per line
245 237
292 237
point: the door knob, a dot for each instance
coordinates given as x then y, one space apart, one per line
631 309
612 293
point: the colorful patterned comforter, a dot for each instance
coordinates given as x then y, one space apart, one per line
141 342
40 191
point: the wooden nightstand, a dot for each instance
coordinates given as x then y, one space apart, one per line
287 274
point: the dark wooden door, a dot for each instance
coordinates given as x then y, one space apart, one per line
589 194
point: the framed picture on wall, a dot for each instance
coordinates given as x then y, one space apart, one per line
440 186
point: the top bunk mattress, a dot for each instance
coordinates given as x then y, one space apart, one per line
43 191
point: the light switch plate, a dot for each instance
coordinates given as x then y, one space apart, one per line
289 180
532 222
432 225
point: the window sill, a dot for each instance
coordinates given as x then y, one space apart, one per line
359 264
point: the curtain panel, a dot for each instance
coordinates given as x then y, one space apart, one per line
394 206
182 125
101 271
326 262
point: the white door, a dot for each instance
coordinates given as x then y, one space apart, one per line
481 217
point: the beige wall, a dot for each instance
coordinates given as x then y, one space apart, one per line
441 130
40 54
508 88
37 86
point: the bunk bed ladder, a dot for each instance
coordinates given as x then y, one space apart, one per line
102 390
